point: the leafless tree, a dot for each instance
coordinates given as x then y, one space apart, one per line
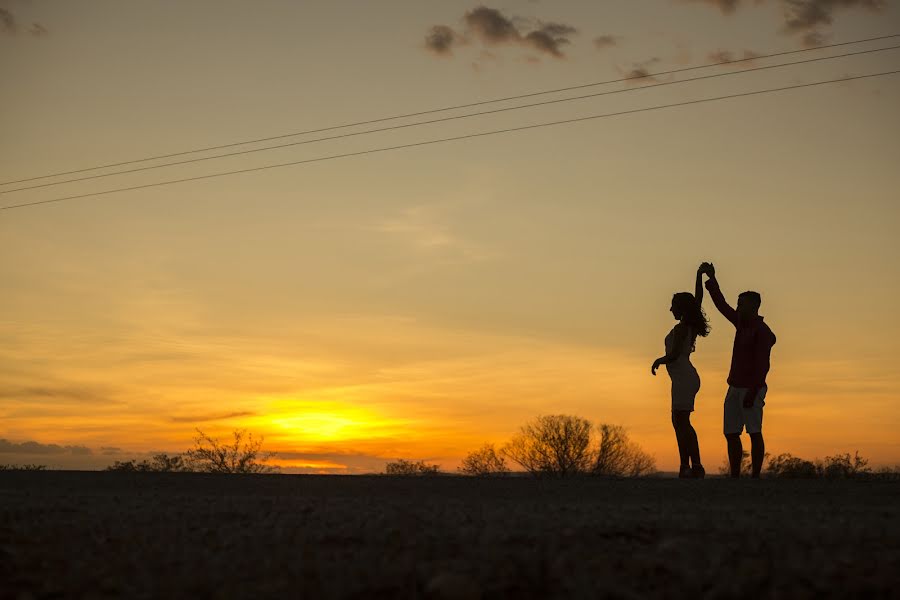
484 461
618 456
552 445
407 467
243 455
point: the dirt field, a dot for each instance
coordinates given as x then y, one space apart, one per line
146 535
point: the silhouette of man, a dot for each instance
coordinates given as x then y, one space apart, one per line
753 341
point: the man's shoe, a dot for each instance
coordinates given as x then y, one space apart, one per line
685 472
698 472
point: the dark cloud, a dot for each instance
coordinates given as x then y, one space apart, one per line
209 417
8 447
110 450
7 22
493 28
441 40
37 30
605 41
491 25
801 16
639 73
726 6
550 37
726 56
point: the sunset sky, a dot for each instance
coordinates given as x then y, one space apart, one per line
418 303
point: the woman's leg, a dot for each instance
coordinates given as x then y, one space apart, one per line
684 451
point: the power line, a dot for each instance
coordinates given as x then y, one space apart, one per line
459 106
443 119
451 139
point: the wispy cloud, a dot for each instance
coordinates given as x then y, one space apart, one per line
204 417
601 42
32 447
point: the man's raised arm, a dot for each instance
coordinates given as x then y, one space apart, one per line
718 299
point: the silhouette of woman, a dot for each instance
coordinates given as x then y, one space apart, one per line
680 342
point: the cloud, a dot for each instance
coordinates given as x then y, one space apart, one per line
7 22
441 40
550 37
72 393
197 418
9 25
804 15
30 447
639 73
493 28
726 6
606 41
727 56
815 38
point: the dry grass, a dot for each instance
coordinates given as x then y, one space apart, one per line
166 535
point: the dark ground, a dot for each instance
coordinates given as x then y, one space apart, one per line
173 535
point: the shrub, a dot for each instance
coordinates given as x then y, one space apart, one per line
243 455
552 445
23 467
618 456
787 466
484 461
160 463
408 467
842 466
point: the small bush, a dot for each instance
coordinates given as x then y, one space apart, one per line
160 463
787 466
842 466
23 467
484 461
408 467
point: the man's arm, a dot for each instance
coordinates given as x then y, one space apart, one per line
718 299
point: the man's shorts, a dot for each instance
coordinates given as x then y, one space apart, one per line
737 416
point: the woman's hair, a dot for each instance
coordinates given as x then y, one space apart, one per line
692 314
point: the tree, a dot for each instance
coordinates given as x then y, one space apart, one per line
552 445
484 461
243 455
618 456
408 467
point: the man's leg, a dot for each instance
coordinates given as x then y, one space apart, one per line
757 452
735 453
753 417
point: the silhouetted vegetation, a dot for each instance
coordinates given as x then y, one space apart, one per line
565 445
208 455
408 467
839 466
160 463
243 455
484 461
619 456
23 467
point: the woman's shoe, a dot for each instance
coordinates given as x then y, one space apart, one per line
698 472
685 472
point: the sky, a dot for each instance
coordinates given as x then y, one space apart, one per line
420 302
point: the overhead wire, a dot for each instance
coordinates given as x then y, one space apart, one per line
450 139
451 118
455 107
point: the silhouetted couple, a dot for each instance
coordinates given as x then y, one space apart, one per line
747 389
